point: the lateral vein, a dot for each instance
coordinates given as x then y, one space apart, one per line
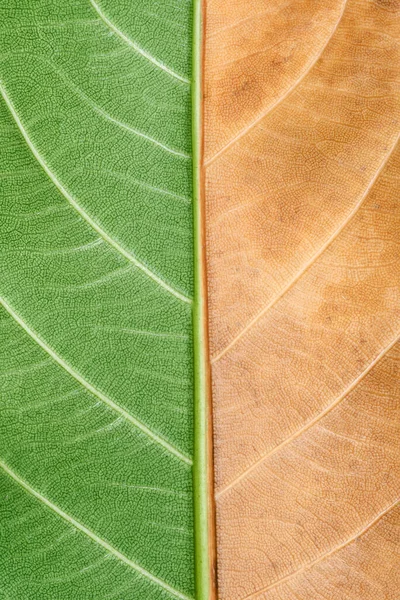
89 387
105 115
281 99
328 554
135 46
313 421
316 256
81 211
82 528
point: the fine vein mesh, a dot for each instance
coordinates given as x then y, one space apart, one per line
96 286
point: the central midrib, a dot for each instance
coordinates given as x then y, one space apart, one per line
203 476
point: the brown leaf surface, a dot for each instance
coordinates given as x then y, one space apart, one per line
302 168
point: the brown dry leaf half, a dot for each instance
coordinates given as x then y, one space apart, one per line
302 170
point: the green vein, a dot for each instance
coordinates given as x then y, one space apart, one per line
81 211
80 527
135 46
106 116
203 514
89 387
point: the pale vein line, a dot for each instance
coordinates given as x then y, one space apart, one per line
257 15
328 554
152 334
80 210
309 264
162 191
126 127
105 115
82 528
135 46
282 98
313 421
88 386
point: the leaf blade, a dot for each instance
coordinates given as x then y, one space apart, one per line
96 362
304 297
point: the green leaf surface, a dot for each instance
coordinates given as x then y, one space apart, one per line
96 281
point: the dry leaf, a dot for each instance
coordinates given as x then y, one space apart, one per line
302 188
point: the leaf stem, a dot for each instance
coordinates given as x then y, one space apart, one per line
204 521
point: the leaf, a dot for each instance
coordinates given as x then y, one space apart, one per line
106 204
302 182
96 249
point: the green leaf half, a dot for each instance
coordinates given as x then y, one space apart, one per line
97 252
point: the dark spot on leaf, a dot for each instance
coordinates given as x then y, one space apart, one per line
392 5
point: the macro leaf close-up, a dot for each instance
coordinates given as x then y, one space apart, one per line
199 300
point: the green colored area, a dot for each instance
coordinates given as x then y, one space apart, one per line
96 272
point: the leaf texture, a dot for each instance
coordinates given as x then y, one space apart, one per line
302 167
100 376
96 278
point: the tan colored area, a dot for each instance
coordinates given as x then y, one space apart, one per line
302 122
